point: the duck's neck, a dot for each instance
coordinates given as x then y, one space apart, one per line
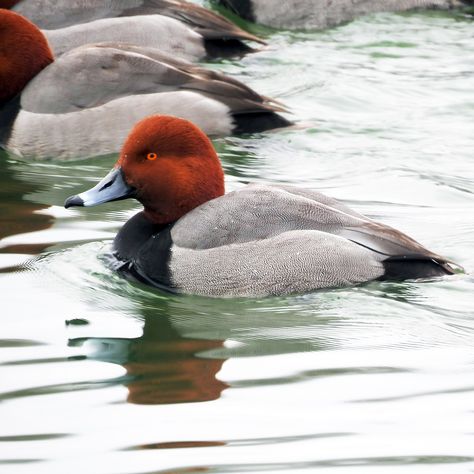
171 205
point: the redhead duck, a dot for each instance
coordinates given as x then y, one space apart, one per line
318 14
219 35
257 241
84 103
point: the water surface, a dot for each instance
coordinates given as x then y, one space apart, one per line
104 376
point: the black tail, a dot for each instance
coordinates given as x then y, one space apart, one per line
407 268
259 122
226 48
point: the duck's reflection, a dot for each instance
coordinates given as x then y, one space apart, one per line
162 366
181 350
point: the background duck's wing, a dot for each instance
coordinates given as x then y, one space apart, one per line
210 24
258 212
93 75
246 105
167 34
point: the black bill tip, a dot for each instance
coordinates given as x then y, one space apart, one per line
73 201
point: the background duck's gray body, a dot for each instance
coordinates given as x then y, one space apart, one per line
269 240
60 13
220 35
318 14
86 102
53 14
102 130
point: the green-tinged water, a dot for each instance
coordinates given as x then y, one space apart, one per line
102 376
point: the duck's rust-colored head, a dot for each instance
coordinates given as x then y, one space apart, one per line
168 164
24 52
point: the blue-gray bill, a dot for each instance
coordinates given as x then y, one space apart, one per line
112 187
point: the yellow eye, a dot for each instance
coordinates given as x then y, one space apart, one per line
151 156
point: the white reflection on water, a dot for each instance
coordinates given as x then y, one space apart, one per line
374 378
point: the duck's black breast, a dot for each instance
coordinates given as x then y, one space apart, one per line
8 114
145 250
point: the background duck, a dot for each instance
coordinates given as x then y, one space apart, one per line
318 14
219 35
167 34
84 103
261 240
